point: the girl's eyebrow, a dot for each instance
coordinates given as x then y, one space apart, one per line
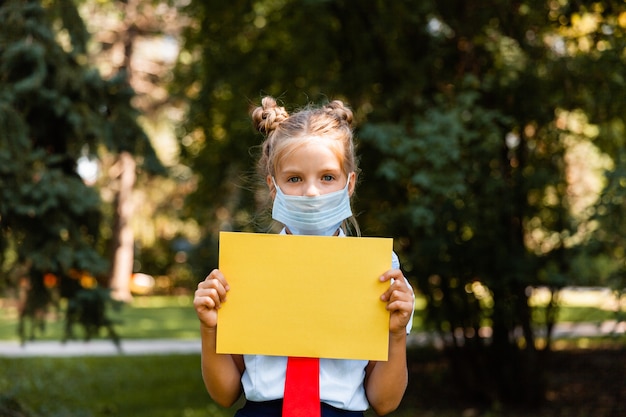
290 172
330 169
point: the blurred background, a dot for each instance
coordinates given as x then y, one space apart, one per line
491 140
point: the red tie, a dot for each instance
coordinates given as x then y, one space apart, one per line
302 388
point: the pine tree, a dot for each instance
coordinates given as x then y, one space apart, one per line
53 106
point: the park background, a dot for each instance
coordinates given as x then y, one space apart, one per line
491 139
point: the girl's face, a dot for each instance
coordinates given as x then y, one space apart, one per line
312 169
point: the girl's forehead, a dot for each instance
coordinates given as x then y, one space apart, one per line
316 151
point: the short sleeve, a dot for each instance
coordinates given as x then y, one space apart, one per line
395 264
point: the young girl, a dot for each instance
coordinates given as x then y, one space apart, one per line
309 165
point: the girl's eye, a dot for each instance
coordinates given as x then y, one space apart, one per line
328 178
293 179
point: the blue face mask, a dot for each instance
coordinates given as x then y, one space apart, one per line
319 215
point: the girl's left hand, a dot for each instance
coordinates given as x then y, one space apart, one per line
399 297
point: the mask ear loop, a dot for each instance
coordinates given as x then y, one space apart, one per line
351 221
353 175
276 187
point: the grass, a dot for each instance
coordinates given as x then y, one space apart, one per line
581 384
124 386
118 386
173 317
171 385
133 386
156 317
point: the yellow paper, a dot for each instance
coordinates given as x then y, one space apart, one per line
310 296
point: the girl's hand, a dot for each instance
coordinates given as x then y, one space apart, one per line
209 296
399 297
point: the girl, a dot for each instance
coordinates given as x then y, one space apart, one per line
309 165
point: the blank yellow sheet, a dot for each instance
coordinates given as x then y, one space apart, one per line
310 296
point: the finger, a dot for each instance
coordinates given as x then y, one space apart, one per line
397 298
391 274
400 311
211 298
217 275
204 301
398 287
211 294
400 305
212 291
213 279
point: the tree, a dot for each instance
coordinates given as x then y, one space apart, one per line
469 117
52 107
140 39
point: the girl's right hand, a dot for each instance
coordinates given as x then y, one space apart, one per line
209 296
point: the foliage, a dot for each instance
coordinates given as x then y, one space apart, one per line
52 108
148 34
473 120
89 309
10 407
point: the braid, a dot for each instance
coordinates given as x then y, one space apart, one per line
339 110
268 116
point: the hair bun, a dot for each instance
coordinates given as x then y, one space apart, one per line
341 111
268 116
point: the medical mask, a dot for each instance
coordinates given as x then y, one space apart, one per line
317 215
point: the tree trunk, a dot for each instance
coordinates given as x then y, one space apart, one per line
123 239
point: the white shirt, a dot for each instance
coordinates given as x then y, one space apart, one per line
341 380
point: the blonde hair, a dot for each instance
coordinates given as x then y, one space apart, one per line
285 133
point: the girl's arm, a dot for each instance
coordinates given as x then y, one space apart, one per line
221 373
386 382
